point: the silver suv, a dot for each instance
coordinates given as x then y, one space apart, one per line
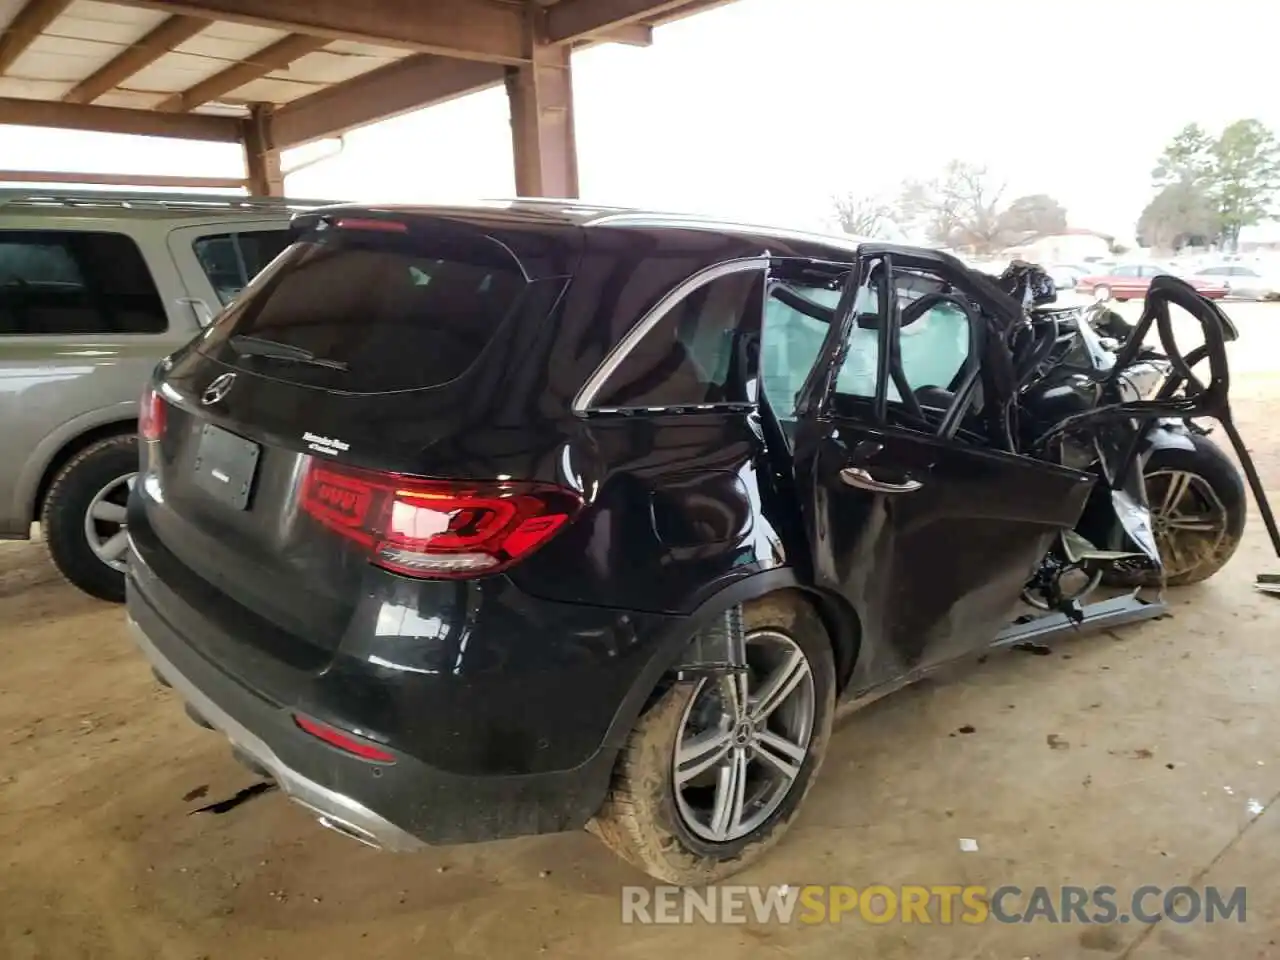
96 288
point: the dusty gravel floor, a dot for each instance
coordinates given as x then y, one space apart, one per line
1164 768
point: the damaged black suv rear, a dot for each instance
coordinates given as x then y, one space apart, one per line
465 523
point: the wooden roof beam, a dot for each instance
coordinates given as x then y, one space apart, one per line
409 84
170 33
76 116
572 20
631 35
277 56
121 179
468 29
31 21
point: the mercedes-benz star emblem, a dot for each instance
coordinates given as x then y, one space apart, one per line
218 389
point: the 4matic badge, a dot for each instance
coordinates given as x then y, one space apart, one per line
328 445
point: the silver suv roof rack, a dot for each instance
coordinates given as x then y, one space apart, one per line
131 200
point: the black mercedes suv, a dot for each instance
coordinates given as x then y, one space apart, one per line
466 523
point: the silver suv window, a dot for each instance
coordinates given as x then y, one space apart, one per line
231 260
61 282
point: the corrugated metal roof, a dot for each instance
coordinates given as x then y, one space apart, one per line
8 10
32 89
331 65
91 34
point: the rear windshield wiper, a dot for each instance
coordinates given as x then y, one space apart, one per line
251 346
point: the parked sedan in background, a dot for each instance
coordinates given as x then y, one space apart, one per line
1129 281
1066 275
1244 282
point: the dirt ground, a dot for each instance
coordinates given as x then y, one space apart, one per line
1144 756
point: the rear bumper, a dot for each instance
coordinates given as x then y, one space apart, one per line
333 809
478 756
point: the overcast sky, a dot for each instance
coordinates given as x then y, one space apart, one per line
763 108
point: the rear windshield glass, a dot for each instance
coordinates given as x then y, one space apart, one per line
373 310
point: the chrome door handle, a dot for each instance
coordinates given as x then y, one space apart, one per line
204 316
857 477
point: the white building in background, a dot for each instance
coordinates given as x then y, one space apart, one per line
1260 237
1075 245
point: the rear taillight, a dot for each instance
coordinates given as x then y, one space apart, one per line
436 528
151 415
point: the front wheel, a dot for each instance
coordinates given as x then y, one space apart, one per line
1198 509
715 770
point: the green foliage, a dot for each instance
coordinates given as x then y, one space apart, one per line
1209 189
1188 158
1037 214
1246 176
1180 214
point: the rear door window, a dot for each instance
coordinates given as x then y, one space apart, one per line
85 283
687 357
231 260
381 310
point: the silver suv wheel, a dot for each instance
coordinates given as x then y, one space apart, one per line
104 522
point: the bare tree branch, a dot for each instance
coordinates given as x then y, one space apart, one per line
962 207
862 216
958 208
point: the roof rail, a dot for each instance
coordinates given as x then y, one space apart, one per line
144 200
700 221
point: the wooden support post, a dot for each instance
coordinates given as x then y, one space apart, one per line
541 98
261 156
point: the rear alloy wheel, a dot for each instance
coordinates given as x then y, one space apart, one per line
742 740
1102 293
83 519
715 771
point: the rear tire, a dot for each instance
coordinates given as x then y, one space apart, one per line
94 479
1214 491
648 822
